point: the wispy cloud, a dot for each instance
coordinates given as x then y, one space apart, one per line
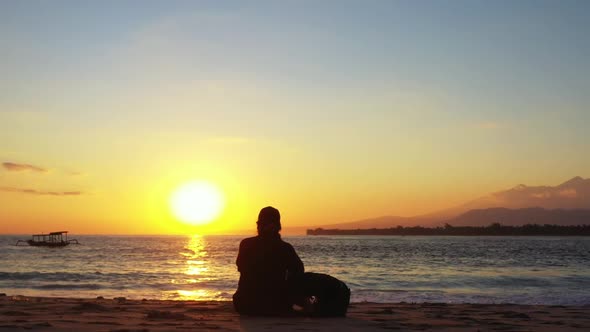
568 193
14 167
39 192
544 194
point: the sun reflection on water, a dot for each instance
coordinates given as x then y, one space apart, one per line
197 294
195 255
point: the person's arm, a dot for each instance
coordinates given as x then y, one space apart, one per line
295 265
241 260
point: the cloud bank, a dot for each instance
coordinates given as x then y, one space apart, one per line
14 167
40 193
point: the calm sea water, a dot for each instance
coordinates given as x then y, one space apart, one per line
527 270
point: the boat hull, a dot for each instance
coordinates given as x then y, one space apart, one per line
47 244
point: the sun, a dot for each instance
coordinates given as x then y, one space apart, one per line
197 202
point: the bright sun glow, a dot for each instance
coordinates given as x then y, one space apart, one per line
197 203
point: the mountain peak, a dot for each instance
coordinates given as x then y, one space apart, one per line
520 187
572 181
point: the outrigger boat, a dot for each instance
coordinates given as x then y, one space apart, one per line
53 239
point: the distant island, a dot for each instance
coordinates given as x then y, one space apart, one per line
500 221
519 217
564 204
522 210
495 229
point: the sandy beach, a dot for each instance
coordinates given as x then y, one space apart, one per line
19 313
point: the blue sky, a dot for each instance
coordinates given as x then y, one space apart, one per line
403 100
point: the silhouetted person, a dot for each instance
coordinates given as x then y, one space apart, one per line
267 264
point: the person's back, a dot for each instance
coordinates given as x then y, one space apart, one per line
266 264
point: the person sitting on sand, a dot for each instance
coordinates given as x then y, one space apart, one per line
266 264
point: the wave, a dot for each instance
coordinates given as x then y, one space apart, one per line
60 276
433 269
69 287
394 291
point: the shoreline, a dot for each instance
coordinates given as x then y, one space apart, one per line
123 315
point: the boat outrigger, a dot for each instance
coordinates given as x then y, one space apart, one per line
53 239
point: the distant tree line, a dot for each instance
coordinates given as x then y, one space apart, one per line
496 229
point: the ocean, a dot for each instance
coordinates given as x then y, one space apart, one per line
522 270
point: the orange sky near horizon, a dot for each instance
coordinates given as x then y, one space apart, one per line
137 206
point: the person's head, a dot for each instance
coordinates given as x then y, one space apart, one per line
269 221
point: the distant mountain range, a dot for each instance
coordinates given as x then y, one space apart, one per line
564 204
515 217
572 194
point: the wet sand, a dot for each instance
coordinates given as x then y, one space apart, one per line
18 313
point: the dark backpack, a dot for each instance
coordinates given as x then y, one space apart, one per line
320 295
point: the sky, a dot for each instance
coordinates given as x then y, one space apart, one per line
331 111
